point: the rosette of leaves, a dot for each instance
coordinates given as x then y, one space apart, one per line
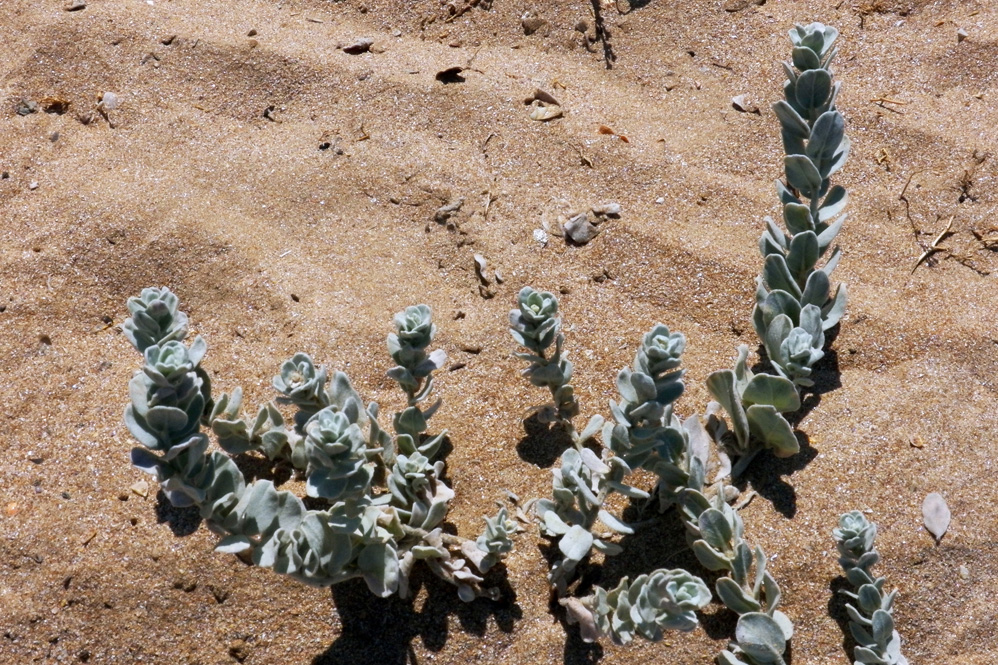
645 433
715 530
870 614
267 433
340 464
816 147
376 536
580 487
755 404
407 346
647 607
302 384
155 319
535 324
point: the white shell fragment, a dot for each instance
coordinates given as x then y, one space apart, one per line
936 515
541 236
109 101
543 112
742 104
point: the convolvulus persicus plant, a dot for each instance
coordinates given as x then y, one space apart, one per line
794 300
646 431
535 325
870 618
714 530
385 500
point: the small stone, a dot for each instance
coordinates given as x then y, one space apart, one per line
741 103
499 279
961 34
964 572
444 213
251 33
607 210
660 200
580 229
473 349
141 488
109 101
582 26
34 185
533 24
541 236
480 266
362 45
166 41
76 5
239 650
543 112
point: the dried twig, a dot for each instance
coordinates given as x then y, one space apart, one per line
934 246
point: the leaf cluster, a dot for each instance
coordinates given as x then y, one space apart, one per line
870 614
385 498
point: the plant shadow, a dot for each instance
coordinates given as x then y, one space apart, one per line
837 610
182 521
544 442
766 475
380 631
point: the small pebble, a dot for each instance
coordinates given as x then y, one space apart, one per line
141 488
532 25
33 185
660 200
961 34
964 572
239 650
581 229
109 101
541 236
607 209
76 5
362 45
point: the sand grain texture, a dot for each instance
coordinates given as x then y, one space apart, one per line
243 170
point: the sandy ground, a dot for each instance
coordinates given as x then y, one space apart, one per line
286 190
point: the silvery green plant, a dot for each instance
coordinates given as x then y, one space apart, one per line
794 299
535 325
372 528
871 621
715 530
580 487
645 433
755 404
651 604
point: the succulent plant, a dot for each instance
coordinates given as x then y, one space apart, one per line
650 605
816 147
414 330
535 324
580 487
754 404
645 433
384 509
870 616
715 531
155 319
